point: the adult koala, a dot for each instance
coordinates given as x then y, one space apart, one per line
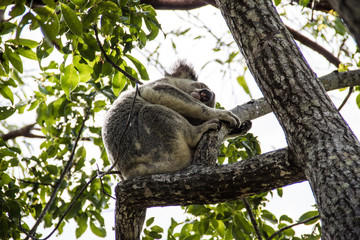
169 117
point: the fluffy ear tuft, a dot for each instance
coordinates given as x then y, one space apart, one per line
182 69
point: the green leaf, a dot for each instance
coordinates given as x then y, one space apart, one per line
27 52
142 70
277 2
79 3
83 68
6 112
242 223
279 192
72 21
358 100
17 10
6 92
14 59
52 169
153 27
243 84
285 218
219 226
308 215
269 216
6 27
82 225
69 79
150 221
118 83
203 226
24 42
98 231
49 23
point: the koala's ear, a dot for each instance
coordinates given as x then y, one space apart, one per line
182 69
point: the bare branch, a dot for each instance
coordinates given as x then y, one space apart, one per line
314 46
252 218
22 132
178 4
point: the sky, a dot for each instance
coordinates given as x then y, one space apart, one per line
297 198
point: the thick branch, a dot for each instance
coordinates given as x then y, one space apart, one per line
214 184
332 81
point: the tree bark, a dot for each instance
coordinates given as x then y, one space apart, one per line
321 141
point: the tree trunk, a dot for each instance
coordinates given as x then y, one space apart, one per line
322 143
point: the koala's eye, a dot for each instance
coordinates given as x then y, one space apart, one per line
199 85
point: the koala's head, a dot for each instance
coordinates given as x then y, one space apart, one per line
190 85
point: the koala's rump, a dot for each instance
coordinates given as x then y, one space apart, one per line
153 143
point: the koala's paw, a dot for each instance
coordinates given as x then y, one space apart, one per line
242 130
231 118
212 124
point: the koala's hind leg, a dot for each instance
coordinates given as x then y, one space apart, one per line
194 133
168 139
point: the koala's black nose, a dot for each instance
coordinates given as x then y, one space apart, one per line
206 95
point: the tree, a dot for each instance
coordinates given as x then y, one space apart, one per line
73 91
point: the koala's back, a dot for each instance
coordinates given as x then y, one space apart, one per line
151 140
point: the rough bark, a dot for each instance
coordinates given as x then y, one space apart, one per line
349 11
322 143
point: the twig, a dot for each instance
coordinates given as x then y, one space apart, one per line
293 225
102 185
59 182
252 218
130 77
346 98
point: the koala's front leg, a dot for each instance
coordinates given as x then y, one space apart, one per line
185 104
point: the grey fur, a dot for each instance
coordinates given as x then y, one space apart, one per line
169 118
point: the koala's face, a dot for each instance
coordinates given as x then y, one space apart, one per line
200 92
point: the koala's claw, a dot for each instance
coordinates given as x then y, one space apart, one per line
231 119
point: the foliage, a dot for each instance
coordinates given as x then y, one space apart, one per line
73 81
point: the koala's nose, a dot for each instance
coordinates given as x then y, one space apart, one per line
206 95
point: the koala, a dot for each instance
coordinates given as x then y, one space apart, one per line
169 118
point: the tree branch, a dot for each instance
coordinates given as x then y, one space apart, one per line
332 81
22 132
201 184
314 46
